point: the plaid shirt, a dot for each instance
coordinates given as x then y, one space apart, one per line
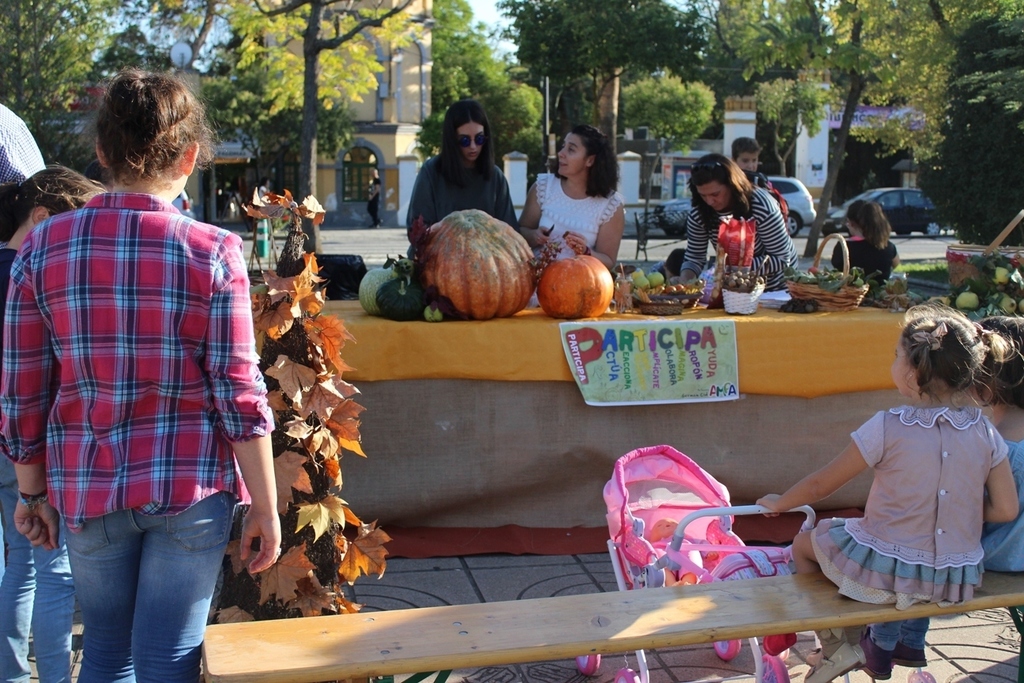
130 362
19 155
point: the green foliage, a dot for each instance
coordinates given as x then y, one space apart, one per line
670 108
567 40
971 179
787 105
130 48
465 66
48 48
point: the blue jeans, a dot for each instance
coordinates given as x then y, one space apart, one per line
37 595
144 589
910 632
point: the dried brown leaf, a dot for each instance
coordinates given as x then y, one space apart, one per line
312 598
275 399
233 615
275 321
282 578
329 332
289 474
294 378
365 554
321 399
297 428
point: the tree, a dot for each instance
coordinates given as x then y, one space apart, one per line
48 49
788 106
337 62
465 66
571 39
194 21
670 108
130 47
971 179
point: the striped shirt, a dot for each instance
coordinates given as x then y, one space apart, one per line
130 363
774 250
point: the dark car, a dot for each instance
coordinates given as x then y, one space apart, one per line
671 216
907 209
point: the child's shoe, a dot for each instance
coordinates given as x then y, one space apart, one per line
878 662
906 656
844 660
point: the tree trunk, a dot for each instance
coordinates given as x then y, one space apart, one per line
606 105
838 152
308 154
852 100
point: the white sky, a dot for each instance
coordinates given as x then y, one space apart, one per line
485 11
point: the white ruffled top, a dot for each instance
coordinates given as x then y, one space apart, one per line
583 216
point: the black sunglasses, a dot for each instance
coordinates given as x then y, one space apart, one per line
706 166
480 139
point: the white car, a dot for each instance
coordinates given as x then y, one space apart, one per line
801 204
184 204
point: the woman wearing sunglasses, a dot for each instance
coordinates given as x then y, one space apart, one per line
720 190
578 203
463 176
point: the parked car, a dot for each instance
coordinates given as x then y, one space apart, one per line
671 216
184 204
799 199
907 208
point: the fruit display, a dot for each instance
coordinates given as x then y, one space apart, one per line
827 279
478 263
893 294
577 287
998 288
799 306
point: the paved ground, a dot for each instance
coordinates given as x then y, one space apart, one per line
977 647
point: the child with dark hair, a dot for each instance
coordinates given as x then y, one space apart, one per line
577 204
463 176
1004 543
131 401
869 245
37 595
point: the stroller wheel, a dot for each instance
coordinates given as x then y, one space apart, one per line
728 649
775 670
588 664
626 676
920 677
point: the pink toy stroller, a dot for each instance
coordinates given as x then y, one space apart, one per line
670 523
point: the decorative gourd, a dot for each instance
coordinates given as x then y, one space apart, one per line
400 299
577 287
369 286
478 263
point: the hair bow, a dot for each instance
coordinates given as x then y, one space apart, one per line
933 339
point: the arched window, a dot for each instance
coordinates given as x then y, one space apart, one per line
358 162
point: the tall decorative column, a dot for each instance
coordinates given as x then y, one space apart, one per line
740 120
515 173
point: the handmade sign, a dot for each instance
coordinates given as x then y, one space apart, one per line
652 361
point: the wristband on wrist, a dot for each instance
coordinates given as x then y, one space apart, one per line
33 501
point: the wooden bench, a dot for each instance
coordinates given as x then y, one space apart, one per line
354 646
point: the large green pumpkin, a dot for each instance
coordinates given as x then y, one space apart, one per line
400 299
482 265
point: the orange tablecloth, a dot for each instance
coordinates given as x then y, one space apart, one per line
817 354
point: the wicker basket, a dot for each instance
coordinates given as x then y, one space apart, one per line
959 256
846 298
741 303
666 305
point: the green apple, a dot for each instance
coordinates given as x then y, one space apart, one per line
967 301
1001 277
636 274
1008 304
656 278
641 282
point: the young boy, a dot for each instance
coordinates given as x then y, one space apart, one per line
745 152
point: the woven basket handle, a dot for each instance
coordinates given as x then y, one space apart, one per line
846 251
1003 235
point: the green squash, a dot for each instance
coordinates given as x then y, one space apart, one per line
400 299
369 286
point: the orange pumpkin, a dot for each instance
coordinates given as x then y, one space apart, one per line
481 264
577 287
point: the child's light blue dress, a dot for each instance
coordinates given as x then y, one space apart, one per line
1004 543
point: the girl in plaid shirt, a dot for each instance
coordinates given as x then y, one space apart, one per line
131 401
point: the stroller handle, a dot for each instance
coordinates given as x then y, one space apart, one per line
678 537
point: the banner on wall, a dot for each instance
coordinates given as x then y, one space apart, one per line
653 361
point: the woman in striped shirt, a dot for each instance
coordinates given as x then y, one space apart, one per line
721 191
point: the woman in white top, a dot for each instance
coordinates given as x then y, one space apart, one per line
578 203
